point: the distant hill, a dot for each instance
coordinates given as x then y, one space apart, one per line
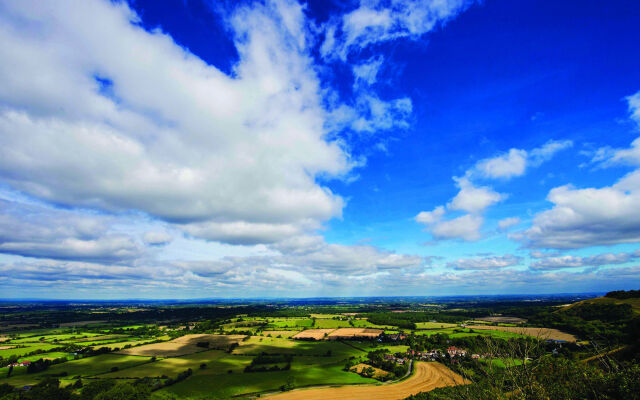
634 302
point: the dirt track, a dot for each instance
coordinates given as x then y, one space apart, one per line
427 376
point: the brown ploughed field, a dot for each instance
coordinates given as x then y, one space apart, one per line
427 376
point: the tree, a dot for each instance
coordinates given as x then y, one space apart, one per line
125 391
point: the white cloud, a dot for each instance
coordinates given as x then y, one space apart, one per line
607 156
508 165
370 114
516 161
476 199
588 217
244 233
367 72
544 153
558 262
634 106
466 227
507 223
430 217
157 238
33 231
169 135
485 263
473 199
378 21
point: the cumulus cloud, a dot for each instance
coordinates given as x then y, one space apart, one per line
607 156
485 263
507 223
157 238
508 165
473 199
558 262
592 216
466 227
104 114
44 233
431 217
245 233
515 161
380 21
588 217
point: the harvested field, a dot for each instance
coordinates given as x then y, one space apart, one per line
6 347
502 320
183 345
542 333
317 334
377 372
427 376
348 333
284 334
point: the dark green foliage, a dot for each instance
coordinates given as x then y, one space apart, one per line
48 389
93 388
622 294
5 388
592 321
258 364
548 378
376 359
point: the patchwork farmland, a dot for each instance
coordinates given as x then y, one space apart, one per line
359 354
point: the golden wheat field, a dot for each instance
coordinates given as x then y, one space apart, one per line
427 376
317 334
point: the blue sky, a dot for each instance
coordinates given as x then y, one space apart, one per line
190 148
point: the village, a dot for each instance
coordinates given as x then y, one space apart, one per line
451 353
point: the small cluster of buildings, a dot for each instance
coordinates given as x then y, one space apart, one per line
397 336
20 364
433 355
397 360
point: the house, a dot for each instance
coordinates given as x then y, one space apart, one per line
456 352
21 364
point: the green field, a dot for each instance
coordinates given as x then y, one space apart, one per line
434 325
25 350
207 384
290 323
331 323
257 344
460 332
216 360
84 367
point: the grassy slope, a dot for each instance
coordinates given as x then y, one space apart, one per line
84 367
634 303
210 383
